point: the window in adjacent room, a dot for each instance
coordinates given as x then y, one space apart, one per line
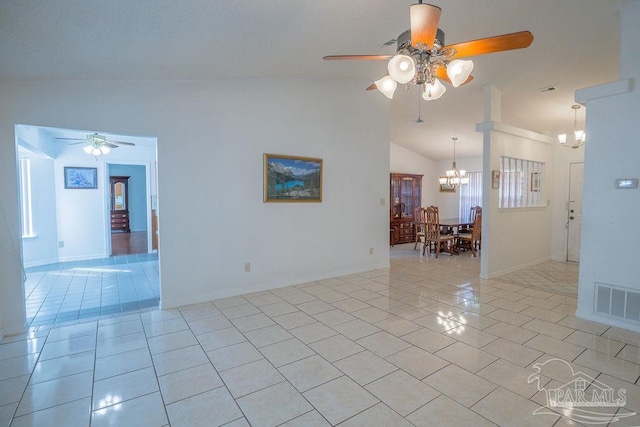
24 169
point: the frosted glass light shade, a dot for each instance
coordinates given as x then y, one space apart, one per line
458 71
402 68
580 135
433 91
104 149
87 149
442 180
562 138
387 86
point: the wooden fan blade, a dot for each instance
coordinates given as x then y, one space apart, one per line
356 57
373 87
511 41
424 23
441 73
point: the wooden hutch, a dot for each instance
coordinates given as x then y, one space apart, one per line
120 203
406 196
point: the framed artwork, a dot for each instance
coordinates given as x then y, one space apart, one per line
535 182
447 188
80 178
292 178
495 179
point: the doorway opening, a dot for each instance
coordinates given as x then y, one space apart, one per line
70 271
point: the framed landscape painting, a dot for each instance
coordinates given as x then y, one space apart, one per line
80 178
292 178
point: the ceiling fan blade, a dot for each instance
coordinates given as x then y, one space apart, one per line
357 57
110 145
441 73
76 143
71 139
373 87
424 23
123 143
511 41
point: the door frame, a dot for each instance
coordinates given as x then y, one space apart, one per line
568 208
107 196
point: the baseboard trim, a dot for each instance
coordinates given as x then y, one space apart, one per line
607 320
518 267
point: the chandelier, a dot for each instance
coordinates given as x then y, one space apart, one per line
96 145
579 136
454 176
419 64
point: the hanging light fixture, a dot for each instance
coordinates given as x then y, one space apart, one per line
454 176
419 64
579 136
96 145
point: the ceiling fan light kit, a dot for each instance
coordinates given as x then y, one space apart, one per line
387 86
97 145
423 59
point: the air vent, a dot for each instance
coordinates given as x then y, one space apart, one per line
618 302
547 89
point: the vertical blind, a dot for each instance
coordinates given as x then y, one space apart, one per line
470 195
521 183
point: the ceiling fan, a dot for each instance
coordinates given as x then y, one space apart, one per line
96 144
422 57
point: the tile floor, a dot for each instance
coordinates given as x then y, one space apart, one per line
69 291
423 343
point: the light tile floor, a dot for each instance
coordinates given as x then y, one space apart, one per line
424 343
67 291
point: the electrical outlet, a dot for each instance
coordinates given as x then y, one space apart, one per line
370 251
61 244
247 267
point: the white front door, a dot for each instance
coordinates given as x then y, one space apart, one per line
574 211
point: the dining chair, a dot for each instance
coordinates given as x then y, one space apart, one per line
419 225
471 241
432 232
472 217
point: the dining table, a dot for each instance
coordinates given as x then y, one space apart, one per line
453 225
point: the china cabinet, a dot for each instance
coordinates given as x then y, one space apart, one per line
406 197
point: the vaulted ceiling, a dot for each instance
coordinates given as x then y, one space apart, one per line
576 45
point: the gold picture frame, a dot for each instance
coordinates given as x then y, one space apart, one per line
292 179
447 188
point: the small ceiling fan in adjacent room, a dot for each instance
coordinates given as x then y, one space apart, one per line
423 59
96 144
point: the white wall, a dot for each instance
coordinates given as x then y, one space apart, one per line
406 161
612 151
512 238
211 138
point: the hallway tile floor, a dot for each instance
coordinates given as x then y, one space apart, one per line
424 343
69 291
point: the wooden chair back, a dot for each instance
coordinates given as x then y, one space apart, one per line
432 219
